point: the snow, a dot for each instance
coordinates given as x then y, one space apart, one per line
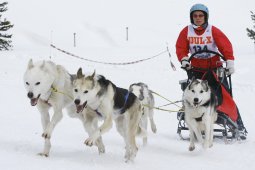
100 27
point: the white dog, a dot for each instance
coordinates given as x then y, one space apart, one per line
143 93
110 102
49 85
200 112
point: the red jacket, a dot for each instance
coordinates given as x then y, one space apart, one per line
222 42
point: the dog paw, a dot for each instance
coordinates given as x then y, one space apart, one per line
154 129
89 142
46 135
191 148
130 158
43 154
101 150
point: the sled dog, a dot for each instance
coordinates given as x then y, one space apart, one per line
200 112
111 103
50 86
146 98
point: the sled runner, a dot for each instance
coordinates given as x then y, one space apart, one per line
226 126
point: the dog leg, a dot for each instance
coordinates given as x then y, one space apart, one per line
194 128
133 119
45 116
122 126
127 138
99 142
90 126
107 125
46 150
57 116
211 131
207 132
90 123
143 125
153 125
45 119
192 141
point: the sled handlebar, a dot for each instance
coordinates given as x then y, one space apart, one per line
206 51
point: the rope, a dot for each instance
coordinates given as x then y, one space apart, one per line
170 103
110 63
57 91
174 103
167 110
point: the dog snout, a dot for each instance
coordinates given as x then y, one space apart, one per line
195 100
77 101
30 95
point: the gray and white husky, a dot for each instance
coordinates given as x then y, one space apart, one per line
111 103
146 98
200 112
50 86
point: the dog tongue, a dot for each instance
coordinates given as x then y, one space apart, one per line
33 101
79 108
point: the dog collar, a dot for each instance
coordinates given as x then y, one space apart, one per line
206 103
98 113
199 119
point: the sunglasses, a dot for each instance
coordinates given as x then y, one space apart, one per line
198 16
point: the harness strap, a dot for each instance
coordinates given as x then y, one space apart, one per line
199 119
55 90
167 110
206 104
122 110
98 113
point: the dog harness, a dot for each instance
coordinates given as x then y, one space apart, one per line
199 119
122 110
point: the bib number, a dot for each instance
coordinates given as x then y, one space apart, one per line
199 48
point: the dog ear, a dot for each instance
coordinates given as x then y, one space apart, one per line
130 88
193 79
79 73
93 75
30 64
205 85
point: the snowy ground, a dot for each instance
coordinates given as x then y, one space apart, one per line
100 27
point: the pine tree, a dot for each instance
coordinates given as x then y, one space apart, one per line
5 39
251 32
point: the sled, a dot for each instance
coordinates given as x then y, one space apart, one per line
225 126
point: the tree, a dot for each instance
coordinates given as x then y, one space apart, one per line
251 32
5 25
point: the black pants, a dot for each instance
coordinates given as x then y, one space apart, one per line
215 85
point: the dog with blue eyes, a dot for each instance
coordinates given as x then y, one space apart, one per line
200 112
